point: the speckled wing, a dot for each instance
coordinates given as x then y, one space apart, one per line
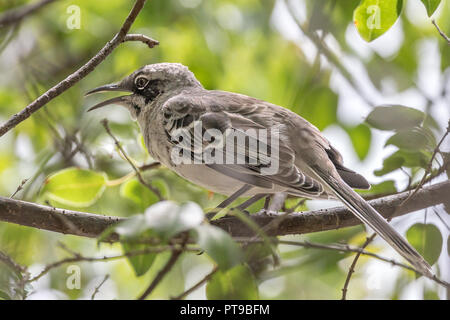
230 114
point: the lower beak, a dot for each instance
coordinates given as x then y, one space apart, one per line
108 87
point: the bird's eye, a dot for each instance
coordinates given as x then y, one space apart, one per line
141 82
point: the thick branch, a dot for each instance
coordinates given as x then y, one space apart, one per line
77 75
92 225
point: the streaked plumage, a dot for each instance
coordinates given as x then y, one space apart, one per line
167 97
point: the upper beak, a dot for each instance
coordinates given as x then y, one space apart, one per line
108 87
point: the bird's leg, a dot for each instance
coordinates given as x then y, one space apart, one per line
276 204
249 202
228 201
267 202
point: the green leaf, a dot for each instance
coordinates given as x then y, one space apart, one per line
75 187
427 240
361 137
403 158
4 295
167 219
431 6
430 295
138 193
372 18
385 187
237 283
412 139
319 106
395 117
140 263
219 246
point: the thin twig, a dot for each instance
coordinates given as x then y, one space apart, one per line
446 38
79 258
142 38
324 49
344 248
351 270
20 187
430 164
73 78
149 166
97 288
197 285
167 267
411 195
11 263
124 154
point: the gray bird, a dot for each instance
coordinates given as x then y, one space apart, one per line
166 98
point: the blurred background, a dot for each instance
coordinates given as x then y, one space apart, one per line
264 49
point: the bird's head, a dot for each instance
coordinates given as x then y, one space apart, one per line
146 84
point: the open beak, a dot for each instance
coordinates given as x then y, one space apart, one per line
109 87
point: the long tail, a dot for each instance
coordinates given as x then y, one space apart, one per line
367 214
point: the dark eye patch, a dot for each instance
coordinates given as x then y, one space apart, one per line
141 82
137 109
152 90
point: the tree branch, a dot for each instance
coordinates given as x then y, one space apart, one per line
443 35
80 73
92 225
142 38
170 263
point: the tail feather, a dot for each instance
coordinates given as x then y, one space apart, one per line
367 214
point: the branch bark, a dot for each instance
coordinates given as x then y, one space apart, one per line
82 72
92 225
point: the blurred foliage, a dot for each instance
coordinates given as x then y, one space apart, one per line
237 46
427 239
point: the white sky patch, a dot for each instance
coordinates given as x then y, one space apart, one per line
352 109
190 3
107 291
390 42
285 24
229 17
24 147
417 15
362 79
429 78
356 43
193 276
273 287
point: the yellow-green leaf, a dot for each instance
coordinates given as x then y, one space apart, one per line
427 240
413 139
395 117
75 187
431 6
219 246
372 18
237 283
142 262
361 138
141 195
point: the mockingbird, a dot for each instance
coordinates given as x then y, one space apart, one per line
291 155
